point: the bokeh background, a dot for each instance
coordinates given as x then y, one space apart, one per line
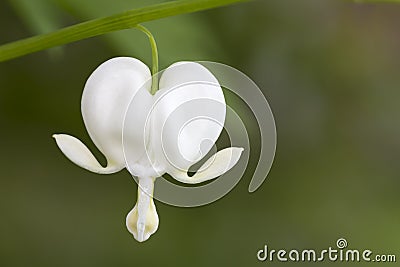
331 73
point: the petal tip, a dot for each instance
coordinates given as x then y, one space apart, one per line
79 154
139 228
57 136
218 164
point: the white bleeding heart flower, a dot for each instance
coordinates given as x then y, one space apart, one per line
151 135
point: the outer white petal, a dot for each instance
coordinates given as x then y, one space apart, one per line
79 154
189 114
218 164
105 99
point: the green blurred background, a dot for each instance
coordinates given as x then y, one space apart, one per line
330 71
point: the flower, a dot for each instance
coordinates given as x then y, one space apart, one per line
151 135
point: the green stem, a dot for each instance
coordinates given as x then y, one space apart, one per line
124 20
154 56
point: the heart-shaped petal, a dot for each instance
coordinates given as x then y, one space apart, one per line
188 115
105 99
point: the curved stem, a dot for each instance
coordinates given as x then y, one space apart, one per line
121 21
154 56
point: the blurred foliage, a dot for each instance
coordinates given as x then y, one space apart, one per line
330 70
40 17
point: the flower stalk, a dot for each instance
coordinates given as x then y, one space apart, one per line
154 56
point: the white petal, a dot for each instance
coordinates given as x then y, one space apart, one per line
79 154
215 166
188 116
142 221
136 134
185 72
105 99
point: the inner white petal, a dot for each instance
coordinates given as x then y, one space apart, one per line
200 144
